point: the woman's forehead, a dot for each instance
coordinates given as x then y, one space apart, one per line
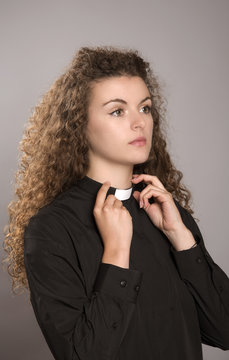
118 87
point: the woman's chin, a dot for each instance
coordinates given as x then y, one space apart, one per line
139 159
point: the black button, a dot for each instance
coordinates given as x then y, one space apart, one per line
123 283
114 325
220 288
137 288
199 260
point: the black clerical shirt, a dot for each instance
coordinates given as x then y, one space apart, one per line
160 308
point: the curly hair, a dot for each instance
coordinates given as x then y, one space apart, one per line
55 147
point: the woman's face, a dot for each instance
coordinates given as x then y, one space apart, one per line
118 113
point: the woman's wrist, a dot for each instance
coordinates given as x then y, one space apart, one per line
182 239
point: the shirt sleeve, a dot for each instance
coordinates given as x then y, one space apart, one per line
76 325
208 284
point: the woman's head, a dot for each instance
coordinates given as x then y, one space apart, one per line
119 111
57 141
92 72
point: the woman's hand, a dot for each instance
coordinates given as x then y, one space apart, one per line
163 212
113 220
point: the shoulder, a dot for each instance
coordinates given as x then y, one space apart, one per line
48 227
45 232
52 215
47 219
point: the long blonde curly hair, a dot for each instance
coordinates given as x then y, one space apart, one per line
55 148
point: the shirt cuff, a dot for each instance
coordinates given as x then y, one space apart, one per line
191 262
118 281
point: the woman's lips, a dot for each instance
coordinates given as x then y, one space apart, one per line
138 142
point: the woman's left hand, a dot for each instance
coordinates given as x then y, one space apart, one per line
163 212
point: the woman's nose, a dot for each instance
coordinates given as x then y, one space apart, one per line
137 120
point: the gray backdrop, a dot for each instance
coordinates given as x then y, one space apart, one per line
187 45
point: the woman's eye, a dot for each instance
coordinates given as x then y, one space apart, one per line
115 111
118 111
148 108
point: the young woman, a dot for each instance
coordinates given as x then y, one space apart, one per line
102 233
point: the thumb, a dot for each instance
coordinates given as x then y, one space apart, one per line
136 195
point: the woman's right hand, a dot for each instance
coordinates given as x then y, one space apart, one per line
113 220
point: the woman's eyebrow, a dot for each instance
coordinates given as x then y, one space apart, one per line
124 102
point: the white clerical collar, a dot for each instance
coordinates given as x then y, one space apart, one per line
92 186
123 194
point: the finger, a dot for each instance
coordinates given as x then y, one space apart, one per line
157 182
113 201
148 188
148 179
124 208
136 195
144 200
118 203
101 195
158 194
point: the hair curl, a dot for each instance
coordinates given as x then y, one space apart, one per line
55 147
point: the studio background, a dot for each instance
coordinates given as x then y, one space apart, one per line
186 42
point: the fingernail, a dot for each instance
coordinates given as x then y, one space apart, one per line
141 204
